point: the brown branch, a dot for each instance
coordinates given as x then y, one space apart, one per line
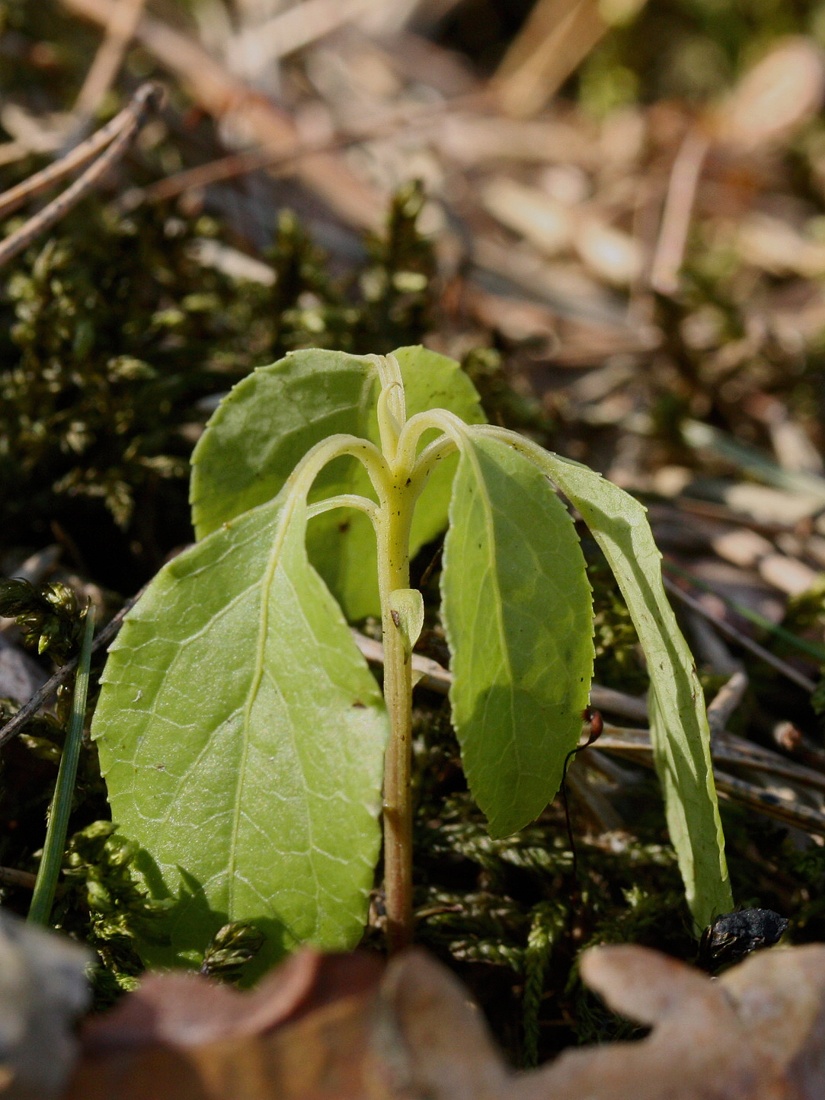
118 134
220 93
107 61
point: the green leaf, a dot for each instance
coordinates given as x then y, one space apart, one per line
242 739
678 722
519 621
269 421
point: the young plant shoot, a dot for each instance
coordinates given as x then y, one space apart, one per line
245 743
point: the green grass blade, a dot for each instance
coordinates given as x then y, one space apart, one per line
781 633
752 462
61 807
519 621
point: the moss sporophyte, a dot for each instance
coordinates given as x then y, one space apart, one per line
245 744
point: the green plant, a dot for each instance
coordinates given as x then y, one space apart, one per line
101 903
242 737
61 807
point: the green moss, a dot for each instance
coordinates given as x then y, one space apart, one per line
112 332
49 616
383 306
513 914
102 904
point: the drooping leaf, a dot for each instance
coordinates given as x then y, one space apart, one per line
519 620
269 421
678 721
242 739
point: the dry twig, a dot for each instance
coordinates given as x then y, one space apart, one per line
118 135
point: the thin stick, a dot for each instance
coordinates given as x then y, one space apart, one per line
61 807
16 196
741 639
118 134
275 158
635 745
681 195
10 876
725 702
810 649
107 61
221 93
432 676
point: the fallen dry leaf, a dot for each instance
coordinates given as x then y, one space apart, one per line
339 1029
183 1009
775 97
758 1032
222 94
187 1037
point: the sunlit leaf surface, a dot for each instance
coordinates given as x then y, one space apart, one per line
518 614
242 740
265 426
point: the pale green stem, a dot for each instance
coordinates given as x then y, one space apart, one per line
398 476
300 480
453 429
393 533
392 519
393 522
429 459
344 500
61 807
399 440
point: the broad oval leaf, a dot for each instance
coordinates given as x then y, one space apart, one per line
242 738
678 721
273 417
519 622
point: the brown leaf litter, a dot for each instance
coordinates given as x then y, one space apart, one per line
344 1028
